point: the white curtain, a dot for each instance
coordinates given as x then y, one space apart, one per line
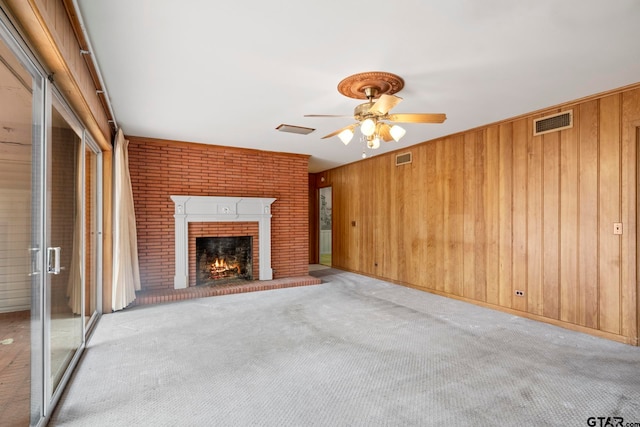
126 273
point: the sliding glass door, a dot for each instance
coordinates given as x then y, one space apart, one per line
64 242
50 236
21 236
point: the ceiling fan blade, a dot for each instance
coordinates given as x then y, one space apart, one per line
385 132
417 118
384 104
326 115
339 130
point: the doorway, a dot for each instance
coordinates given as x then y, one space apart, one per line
325 225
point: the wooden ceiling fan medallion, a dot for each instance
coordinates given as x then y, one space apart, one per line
378 82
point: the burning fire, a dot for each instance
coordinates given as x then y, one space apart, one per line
220 268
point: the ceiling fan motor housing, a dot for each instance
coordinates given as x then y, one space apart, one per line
361 112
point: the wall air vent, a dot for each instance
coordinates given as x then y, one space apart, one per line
403 159
552 123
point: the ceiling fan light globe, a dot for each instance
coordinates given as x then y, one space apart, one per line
397 132
346 136
375 143
368 127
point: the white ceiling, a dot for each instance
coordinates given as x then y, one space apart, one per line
228 73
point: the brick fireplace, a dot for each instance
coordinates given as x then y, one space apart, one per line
161 168
213 212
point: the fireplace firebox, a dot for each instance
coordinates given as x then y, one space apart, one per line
220 260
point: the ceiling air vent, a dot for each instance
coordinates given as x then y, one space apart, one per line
553 123
403 159
295 129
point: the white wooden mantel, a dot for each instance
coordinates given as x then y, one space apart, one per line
220 209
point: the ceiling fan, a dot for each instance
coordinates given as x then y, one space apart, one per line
378 89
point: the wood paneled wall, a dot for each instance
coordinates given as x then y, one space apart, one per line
481 214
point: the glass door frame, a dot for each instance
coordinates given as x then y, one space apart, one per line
90 144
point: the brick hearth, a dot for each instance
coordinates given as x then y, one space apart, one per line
170 295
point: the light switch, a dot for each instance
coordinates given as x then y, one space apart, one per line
617 228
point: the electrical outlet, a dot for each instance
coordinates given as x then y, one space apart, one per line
617 228
519 293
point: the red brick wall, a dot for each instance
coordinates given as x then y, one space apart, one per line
161 168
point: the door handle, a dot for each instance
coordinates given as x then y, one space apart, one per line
35 261
53 260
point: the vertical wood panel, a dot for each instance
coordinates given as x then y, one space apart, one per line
357 213
63 27
609 212
520 188
588 220
380 190
404 223
379 215
492 194
446 179
421 207
432 212
438 207
364 212
405 174
469 208
456 212
505 216
551 225
569 220
534 222
350 237
630 286
480 255
340 219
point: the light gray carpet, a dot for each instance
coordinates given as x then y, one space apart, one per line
353 351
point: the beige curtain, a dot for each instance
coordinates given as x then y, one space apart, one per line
126 273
